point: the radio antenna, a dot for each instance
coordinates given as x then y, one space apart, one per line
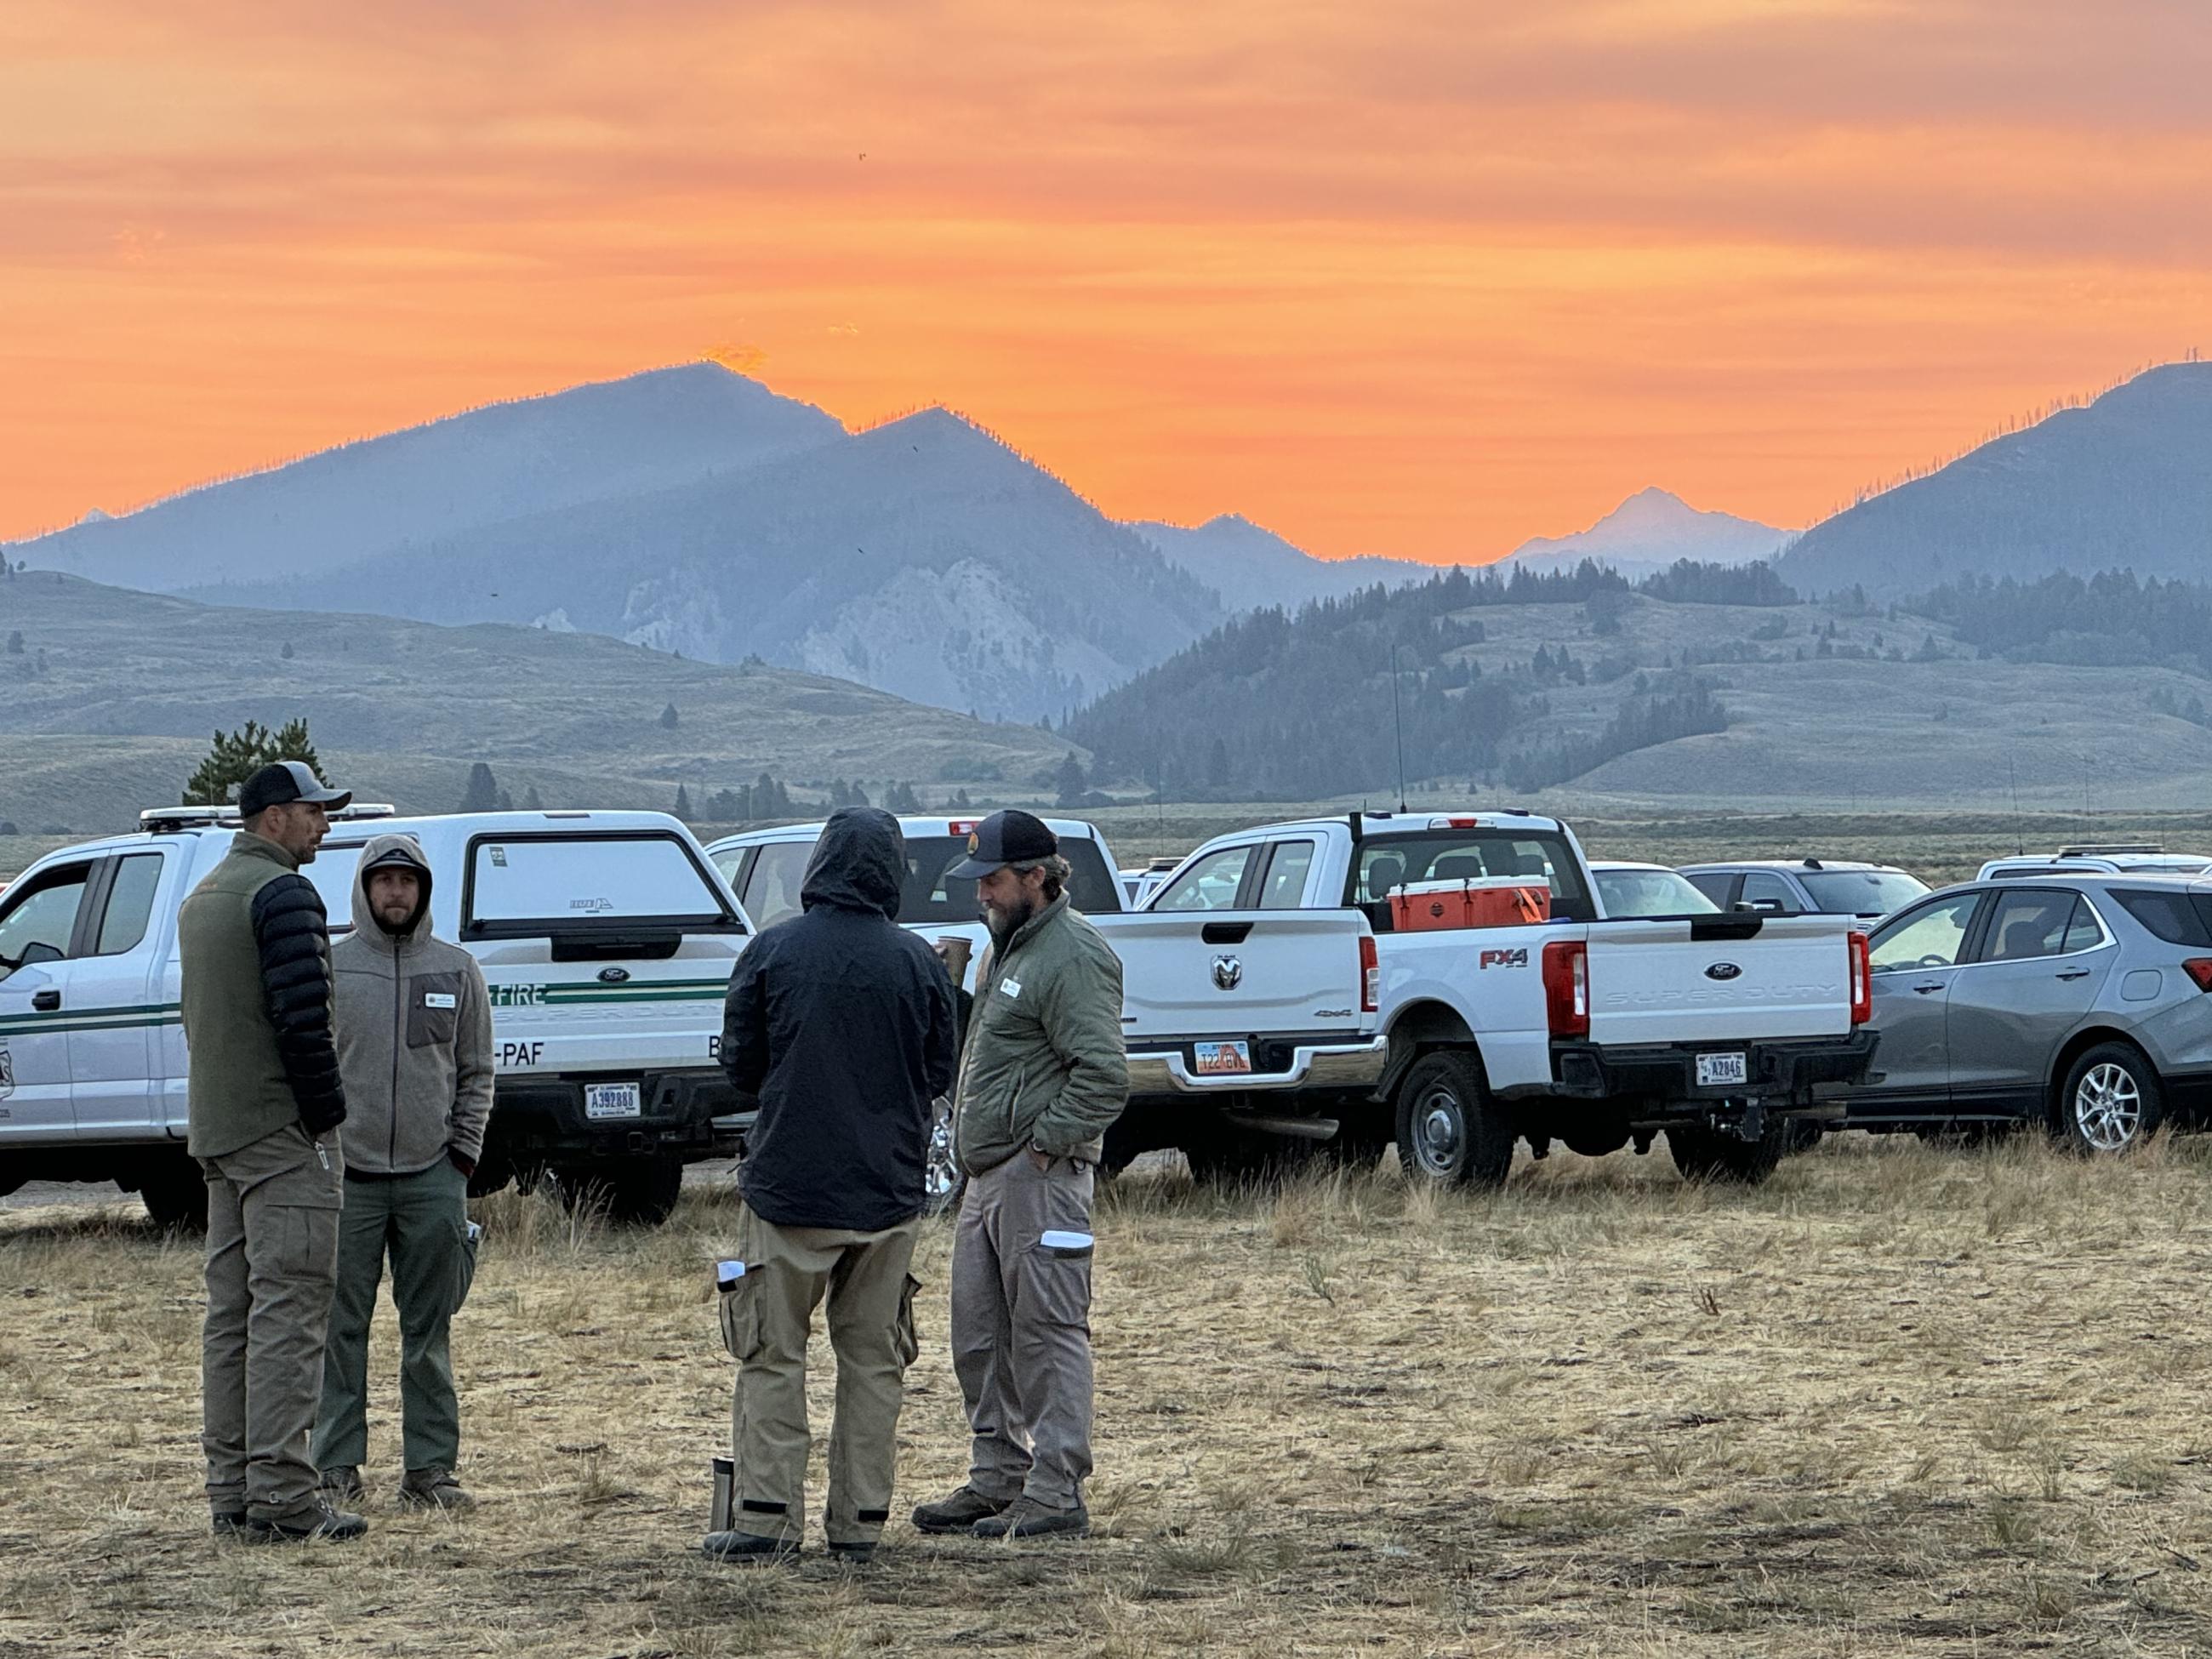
2019 839
1398 721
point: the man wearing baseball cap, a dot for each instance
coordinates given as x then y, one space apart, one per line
264 1105
1043 1077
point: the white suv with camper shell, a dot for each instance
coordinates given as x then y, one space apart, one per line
606 941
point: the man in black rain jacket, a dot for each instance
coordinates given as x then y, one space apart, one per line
842 1024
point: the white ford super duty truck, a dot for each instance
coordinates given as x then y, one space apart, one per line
1728 1032
1248 1031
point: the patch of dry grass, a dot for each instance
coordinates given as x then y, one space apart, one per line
1898 1401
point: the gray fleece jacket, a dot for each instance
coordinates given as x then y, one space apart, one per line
414 1035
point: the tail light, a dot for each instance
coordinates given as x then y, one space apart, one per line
2200 969
1862 979
1370 976
1566 987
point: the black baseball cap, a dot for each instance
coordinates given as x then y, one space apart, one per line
1002 838
283 781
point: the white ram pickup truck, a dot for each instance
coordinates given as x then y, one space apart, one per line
1725 1031
1248 1031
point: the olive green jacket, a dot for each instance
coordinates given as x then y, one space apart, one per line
256 951
1045 1065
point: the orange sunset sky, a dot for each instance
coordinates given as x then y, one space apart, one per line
1407 278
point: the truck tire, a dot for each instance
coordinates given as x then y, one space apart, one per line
1723 1155
2110 1102
1449 1128
632 1192
174 1190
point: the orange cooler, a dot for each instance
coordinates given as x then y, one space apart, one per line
1425 907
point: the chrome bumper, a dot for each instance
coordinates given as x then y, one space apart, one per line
1322 1066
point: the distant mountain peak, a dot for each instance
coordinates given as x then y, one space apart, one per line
1656 526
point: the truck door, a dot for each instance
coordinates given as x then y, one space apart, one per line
115 1030
40 920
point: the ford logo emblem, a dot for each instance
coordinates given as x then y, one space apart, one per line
1723 970
1228 973
618 976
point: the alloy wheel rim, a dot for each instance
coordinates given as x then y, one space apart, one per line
2108 1108
1440 1133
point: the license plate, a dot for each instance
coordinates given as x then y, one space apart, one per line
1717 1071
1223 1059
612 1100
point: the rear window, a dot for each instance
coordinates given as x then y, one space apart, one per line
1466 855
2176 917
930 896
533 885
1862 892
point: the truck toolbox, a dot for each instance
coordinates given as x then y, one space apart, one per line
1480 902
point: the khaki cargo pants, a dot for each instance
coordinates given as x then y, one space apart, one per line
1021 1330
272 1250
766 1320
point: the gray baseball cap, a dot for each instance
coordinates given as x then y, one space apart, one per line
283 781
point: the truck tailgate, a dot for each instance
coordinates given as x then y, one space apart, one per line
1719 979
1238 973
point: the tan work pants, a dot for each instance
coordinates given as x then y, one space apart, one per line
1021 1330
766 1321
272 1256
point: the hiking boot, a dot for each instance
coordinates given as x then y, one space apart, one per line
342 1485
857 1554
228 1524
747 1548
312 1520
434 1489
958 1513
1027 1518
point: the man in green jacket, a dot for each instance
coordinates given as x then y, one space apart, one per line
265 1103
415 1052
1044 1077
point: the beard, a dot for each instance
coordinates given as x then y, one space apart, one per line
1003 925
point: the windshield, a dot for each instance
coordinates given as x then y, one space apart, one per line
1862 892
930 897
1650 893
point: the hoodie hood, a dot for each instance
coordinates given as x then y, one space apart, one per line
382 850
858 863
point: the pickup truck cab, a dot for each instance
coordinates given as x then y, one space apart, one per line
606 941
1247 1031
1715 1029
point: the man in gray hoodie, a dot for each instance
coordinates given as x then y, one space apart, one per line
414 1039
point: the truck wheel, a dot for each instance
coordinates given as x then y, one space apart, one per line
1723 1155
940 1171
1449 1128
2110 1101
633 1192
175 1189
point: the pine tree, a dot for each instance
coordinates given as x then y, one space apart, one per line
668 718
683 802
16 642
530 801
237 755
482 793
1071 780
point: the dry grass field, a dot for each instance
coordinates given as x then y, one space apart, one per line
1900 1400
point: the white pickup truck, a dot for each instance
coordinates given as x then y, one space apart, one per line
606 941
1248 1031
1722 1031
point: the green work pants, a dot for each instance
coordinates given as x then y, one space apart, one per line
421 1223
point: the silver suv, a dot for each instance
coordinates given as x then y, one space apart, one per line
2079 1002
1797 887
2128 859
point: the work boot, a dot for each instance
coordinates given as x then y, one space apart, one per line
854 1555
342 1485
958 1513
228 1524
748 1548
434 1489
1027 1518
312 1520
